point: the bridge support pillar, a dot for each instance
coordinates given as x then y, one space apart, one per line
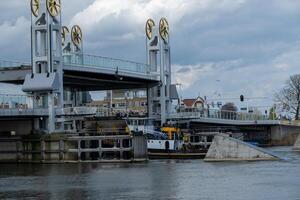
158 51
46 80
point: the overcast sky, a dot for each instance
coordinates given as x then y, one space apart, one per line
227 47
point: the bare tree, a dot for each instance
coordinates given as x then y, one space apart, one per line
232 110
229 107
289 96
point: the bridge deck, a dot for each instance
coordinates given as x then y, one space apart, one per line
88 71
223 118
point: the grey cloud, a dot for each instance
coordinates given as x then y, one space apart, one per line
251 46
183 70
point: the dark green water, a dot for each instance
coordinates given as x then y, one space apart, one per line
167 179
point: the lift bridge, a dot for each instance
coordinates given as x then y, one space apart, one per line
60 74
81 72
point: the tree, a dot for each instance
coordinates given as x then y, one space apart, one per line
272 113
289 96
229 107
228 111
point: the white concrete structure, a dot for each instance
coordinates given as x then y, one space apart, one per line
225 148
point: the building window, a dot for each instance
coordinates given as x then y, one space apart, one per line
121 105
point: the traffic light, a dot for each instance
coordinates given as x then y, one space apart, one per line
242 98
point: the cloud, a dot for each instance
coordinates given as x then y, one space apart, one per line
15 39
251 46
231 79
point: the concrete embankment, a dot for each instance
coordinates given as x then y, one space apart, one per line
284 135
225 148
61 148
297 144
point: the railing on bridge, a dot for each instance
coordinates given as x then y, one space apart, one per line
22 105
83 110
19 112
10 101
217 114
101 62
86 60
190 114
74 111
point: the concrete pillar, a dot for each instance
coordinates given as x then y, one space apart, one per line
79 150
61 149
19 150
100 149
296 146
205 142
139 144
43 149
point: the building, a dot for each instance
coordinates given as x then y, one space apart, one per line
122 102
199 102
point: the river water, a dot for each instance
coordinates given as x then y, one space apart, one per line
160 179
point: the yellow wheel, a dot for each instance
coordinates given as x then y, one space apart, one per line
53 7
149 28
164 29
76 35
35 6
64 32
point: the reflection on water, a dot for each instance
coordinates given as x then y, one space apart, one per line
168 179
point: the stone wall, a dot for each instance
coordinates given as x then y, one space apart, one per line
60 148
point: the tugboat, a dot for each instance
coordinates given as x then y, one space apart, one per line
170 142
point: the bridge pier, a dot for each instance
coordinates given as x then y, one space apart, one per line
284 135
296 146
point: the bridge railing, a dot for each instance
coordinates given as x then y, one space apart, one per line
7 63
24 112
10 101
22 105
83 110
86 60
217 114
101 62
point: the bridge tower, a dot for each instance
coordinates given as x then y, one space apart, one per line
159 60
72 48
46 80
